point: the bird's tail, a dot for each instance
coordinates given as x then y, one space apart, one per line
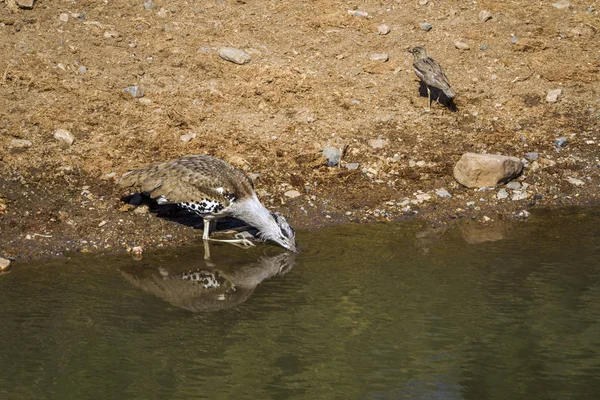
449 93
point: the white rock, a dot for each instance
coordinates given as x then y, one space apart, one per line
111 34
292 194
552 96
513 185
443 193
20 144
379 57
485 15
357 13
27 4
4 264
383 29
519 195
479 170
64 17
561 4
421 164
64 136
378 143
237 56
461 45
188 137
575 181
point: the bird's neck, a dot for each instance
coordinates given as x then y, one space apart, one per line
251 211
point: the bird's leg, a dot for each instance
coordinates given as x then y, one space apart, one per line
206 229
241 242
428 99
206 250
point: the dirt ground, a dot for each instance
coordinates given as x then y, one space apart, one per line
311 83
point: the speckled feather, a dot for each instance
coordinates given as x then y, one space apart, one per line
199 183
431 73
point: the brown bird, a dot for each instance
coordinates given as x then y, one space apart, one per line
431 74
213 189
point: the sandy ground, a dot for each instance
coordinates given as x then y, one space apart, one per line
311 83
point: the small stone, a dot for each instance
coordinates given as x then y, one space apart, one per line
483 47
532 156
561 4
425 26
384 57
502 194
575 181
188 137
378 143
484 15
383 29
552 96
479 170
64 136
470 203
82 69
134 91
513 185
519 195
423 2
4 264
111 34
137 252
486 218
422 197
101 224
514 40
523 214
162 13
421 164
20 144
356 13
237 56
145 101
292 194
148 5
26 4
333 155
64 17
143 209
443 193
560 142
461 45
353 166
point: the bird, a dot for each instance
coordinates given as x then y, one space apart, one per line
431 74
212 189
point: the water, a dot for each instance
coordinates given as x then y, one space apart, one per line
364 312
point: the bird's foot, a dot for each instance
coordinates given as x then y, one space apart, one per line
241 242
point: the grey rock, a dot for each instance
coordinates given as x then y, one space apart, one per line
514 40
353 165
425 26
484 15
378 143
379 57
560 142
383 29
461 45
575 181
532 156
523 214
82 69
356 13
134 91
443 193
552 96
27 4
65 137
148 5
483 47
292 194
19 144
64 17
561 4
479 170
333 155
519 195
513 185
188 137
237 56
502 194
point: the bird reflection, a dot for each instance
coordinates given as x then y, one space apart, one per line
209 285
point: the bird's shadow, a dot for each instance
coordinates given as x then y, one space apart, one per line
174 213
437 95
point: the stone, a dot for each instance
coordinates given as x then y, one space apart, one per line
143 209
383 29
561 4
502 194
20 144
461 45
423 2
148 5
82 69
479 170
134 91
384 57
292 194
443 193
236 56
523 214
356 13
519 195
425 26
111 34
483 47
26 4
532 156
560 142
185 138
378 143
575 181
552 96
4 264
65 137
333 155
64 17
353 165
513 185
484 15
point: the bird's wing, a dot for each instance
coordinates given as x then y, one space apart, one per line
433 73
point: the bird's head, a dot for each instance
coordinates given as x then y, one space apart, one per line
419 52
280 232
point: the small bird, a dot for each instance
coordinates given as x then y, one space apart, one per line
431 74
213 189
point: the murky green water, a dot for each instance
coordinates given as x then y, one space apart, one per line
365 312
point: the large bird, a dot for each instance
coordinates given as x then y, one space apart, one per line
431 74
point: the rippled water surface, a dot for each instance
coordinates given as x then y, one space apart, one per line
364 312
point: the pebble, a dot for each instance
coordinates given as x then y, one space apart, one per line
237 56
143 209
514 40
470 203
561 4
532 156
292 194
378 143
519 195
421 164
425 26
461 45
552 96
64 17
162 13
185 138
356 13
101 224
384 57
148 5
523 214
514 185
353 165
145 101
560 142
20 144
423 2
575 181
4 264
333 155
64 136
483 47
502 194
134 91
383 29
443 193
82 69
485 15
111 34
137 252
27 4
422 197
